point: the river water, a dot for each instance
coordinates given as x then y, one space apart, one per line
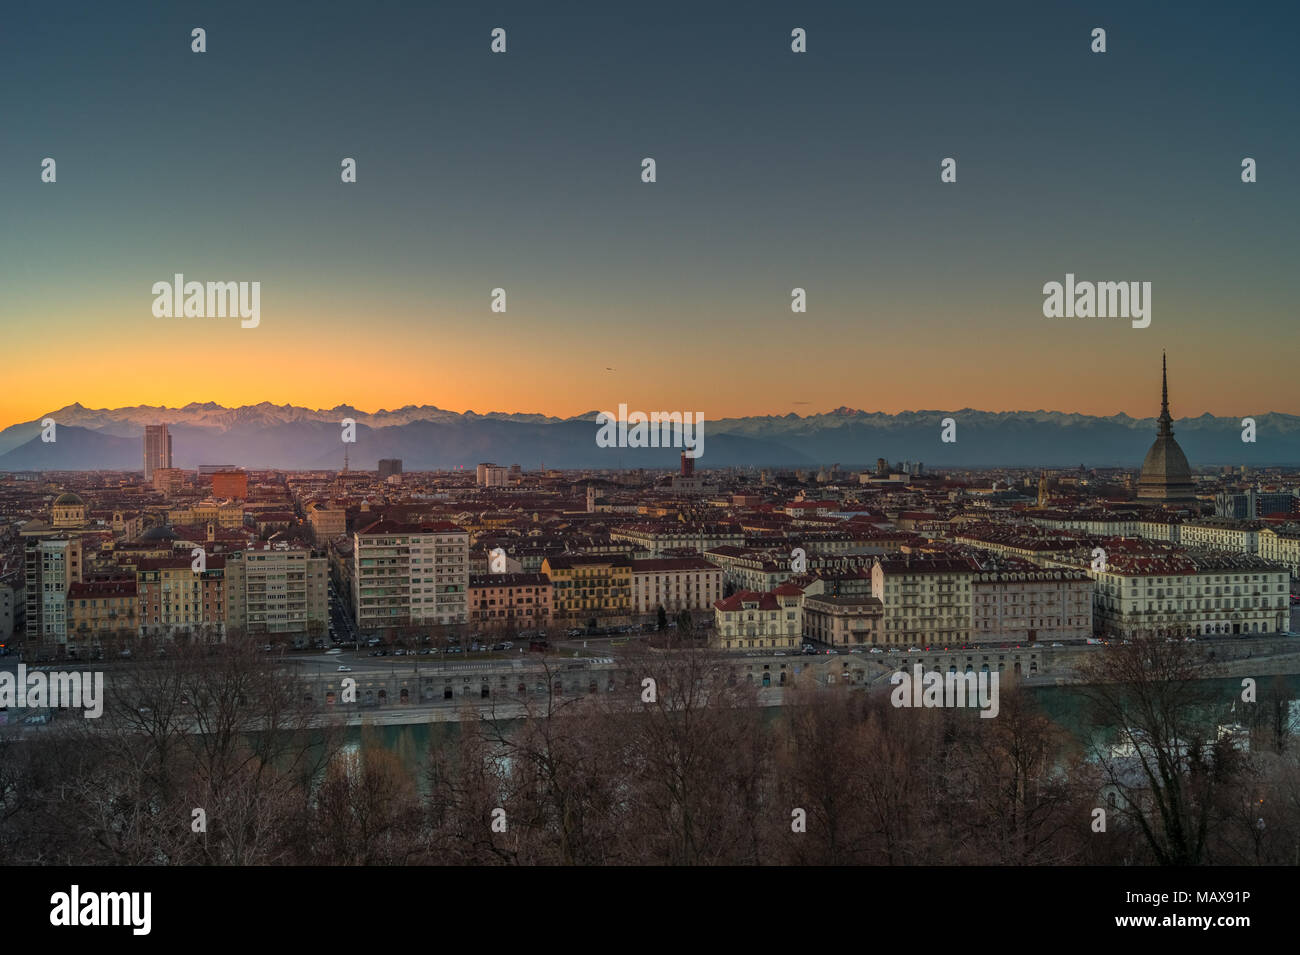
1064 705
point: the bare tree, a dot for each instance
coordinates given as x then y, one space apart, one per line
1167 770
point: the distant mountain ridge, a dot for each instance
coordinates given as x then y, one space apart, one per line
425 437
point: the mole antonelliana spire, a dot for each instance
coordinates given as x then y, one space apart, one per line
1166 475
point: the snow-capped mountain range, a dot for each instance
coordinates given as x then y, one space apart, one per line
426 437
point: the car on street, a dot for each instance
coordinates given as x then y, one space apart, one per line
875 650
343 668
335 651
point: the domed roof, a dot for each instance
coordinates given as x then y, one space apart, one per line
1165 463
68 499
1166 475
162 532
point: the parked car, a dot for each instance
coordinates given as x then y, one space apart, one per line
1058 644
499 646
875 650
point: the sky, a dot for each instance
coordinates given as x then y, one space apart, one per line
775 170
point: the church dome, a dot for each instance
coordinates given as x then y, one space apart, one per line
68 499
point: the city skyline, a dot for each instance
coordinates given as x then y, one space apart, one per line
584 436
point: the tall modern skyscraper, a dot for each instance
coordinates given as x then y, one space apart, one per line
157 449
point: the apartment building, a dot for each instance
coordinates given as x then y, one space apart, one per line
590 586
749 620
1028 603
843 621
327 523
282 591
927 600
747 569
1102 524
1281 545
676 584
177 600
491 475
509 602
1189 594
12 607
224 515
51 567
230 484
677 535
1221 533
410 574
439 574
1164 529
168 480
102 609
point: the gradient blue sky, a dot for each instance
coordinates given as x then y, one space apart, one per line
775 170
